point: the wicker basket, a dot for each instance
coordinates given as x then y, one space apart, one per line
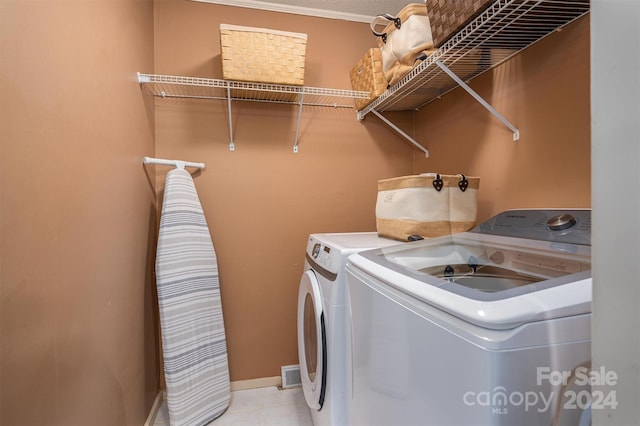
447 17
262 55
368 76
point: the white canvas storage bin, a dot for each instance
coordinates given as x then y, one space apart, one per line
427 205
404 38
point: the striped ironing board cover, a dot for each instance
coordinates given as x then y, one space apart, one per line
193 337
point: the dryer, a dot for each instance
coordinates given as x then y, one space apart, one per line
487 327
323 322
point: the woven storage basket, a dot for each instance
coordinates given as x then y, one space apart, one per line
262 55
449 16
368 76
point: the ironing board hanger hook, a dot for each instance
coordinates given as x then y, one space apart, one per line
177 163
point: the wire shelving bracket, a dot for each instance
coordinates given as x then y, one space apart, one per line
503 30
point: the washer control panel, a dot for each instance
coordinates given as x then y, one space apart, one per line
563 226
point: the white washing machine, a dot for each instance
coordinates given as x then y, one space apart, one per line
323 324
487 327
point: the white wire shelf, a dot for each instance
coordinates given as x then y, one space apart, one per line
504 29
501 31
170 86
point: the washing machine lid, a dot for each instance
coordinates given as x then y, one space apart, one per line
491 280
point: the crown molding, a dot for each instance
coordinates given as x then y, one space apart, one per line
297 10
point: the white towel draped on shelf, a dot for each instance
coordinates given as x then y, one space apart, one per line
193 336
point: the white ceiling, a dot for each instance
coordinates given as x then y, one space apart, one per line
350 10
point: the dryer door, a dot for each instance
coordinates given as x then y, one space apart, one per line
312 342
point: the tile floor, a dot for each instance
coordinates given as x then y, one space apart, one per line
258 407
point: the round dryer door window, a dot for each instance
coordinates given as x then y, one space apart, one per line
311 340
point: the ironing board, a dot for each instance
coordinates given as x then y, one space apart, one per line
193 336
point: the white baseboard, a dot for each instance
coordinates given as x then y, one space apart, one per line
151 418
262 382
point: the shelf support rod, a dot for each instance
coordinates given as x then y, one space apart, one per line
295 142
401 133
465 86
232 145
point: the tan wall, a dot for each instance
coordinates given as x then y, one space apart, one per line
545 93
78 214
262 200
77 334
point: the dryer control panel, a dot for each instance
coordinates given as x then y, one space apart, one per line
320 255
323 256
327 252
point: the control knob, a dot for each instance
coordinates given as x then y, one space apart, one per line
561 222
